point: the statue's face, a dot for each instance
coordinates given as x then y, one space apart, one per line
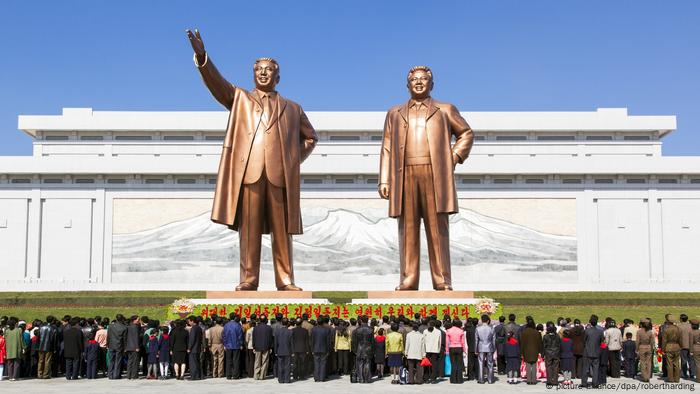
420 84
266 75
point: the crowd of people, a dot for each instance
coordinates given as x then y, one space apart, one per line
405 350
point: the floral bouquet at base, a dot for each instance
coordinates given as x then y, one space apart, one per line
657 359
183 307
485 306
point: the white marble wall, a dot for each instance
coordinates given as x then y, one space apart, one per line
621 239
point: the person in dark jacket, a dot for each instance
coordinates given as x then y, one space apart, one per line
300 347
567 356
473 354
33 366
47 345
592 338
116 343
500 332
262 344
511 350
194 348
577 348
629 353
283 351
321 343
87 326
133 346
362 343
276 325
232 337
92 353
72 348
178 349
530 346
551 345
513 327
164 352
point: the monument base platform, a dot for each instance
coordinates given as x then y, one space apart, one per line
418 294
374 294
261 294
375 304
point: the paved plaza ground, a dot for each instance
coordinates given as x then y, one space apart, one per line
339 385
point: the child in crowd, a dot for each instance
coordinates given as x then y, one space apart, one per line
164 352
603 364
92 354
629 353
152 350
567 356
512 351
3 351
34 352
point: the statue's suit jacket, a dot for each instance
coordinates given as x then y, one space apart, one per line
296 135
443 121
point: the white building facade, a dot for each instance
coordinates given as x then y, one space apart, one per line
548 201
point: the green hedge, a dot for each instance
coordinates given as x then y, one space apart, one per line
595 298
542 305
339 297
96 298
29 314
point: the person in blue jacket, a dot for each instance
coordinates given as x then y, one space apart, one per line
232 338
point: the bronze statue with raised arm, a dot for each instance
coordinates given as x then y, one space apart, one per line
416 175
257 188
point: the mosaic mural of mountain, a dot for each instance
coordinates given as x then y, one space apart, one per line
338 241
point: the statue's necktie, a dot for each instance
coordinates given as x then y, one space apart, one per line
267 105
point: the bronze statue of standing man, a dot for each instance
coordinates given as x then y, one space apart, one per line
416 175
257 189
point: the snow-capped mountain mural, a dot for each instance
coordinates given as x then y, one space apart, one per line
342 245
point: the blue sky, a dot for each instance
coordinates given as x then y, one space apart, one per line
337 55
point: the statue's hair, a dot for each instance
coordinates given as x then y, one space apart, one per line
266 59
420 68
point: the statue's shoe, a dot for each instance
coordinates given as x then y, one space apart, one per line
290 288
246 287
443 287
405 287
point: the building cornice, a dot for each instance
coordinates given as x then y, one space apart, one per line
54 165
601 120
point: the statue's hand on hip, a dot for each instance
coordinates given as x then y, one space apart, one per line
384 191
455 161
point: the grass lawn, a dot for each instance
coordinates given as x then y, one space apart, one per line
544 313
542 306
37 305
29 314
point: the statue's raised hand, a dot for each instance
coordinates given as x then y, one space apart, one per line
196 42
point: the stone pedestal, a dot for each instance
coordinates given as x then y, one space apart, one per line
419 294
271 294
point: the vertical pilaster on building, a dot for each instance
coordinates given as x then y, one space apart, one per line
656 257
